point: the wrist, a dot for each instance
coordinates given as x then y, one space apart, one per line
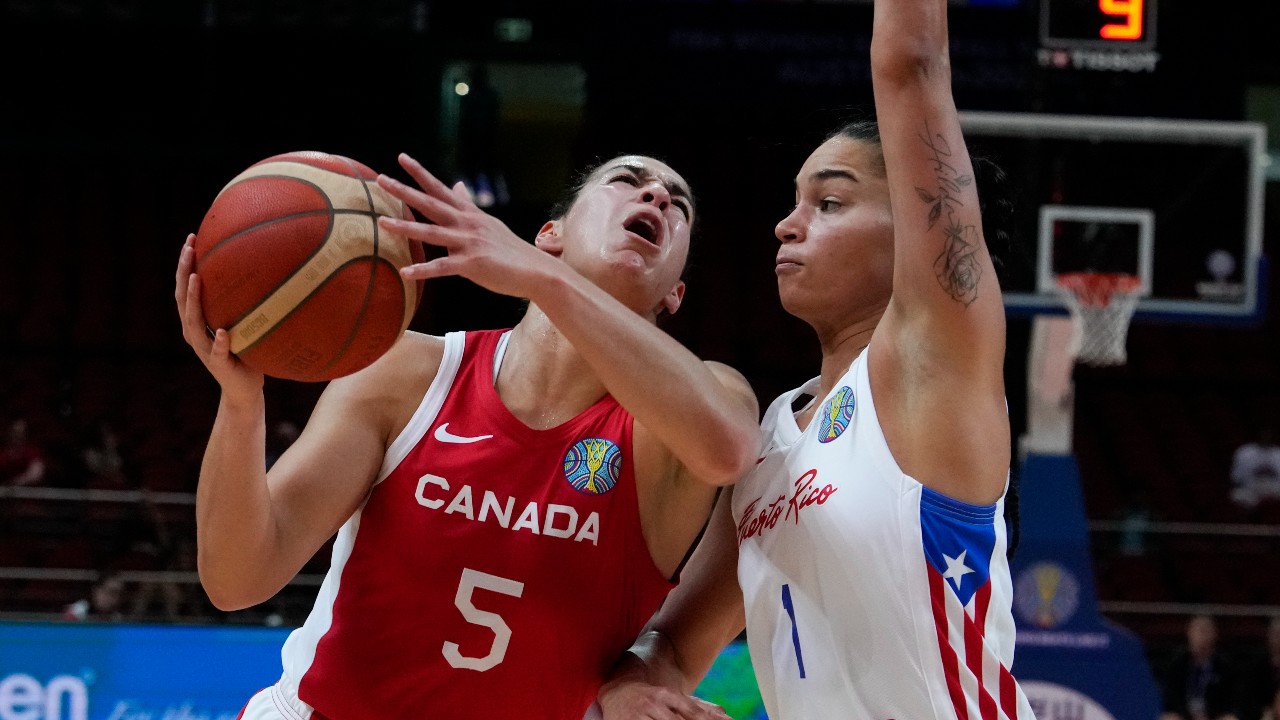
550 282
244 404
629 670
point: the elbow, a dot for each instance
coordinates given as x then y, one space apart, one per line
224 598
224 594
732 457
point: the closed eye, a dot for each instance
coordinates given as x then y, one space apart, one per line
684 208
680 203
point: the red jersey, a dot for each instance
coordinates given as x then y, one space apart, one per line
494 570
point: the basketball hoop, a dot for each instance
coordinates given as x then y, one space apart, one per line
1101 306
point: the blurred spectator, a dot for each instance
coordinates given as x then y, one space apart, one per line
282 435
22 461
1200 683
170 600
147 543
104 604
103 463
1262 677
1255 470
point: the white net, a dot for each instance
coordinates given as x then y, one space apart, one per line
1101 305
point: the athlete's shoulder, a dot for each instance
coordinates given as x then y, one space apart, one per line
413 358
393 384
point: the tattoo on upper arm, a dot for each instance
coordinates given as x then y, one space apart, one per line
957 267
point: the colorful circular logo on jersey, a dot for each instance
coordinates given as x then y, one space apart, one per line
593 465
836 415
1046 595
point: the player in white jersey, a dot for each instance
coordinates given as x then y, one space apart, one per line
865 554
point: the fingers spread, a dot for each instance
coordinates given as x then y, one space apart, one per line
464 195
429 182
438 267
422 232
435 209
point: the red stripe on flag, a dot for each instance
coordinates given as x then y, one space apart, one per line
983 601
1008 694
973 650
950 662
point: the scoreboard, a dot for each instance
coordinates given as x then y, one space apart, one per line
1107 35
1116 24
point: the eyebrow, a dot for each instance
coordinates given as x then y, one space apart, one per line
675 188
831 174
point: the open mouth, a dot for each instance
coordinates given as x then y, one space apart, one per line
646 228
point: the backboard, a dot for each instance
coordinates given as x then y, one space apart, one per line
1178 203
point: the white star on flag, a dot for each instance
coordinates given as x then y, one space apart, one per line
956 569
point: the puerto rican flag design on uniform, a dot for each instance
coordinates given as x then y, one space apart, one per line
959 543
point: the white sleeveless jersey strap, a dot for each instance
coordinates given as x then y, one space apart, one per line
429 407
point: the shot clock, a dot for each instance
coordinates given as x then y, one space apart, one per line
1121 25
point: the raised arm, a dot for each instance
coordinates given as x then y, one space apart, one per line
706 418
942 359
943 274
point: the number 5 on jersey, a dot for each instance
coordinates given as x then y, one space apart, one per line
472 579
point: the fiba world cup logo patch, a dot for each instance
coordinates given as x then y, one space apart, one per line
593 465
836 415
1046 595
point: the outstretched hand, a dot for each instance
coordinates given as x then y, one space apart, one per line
480 247
637 700
238 381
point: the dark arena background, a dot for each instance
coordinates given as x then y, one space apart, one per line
120 120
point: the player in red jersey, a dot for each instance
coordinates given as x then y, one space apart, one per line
510 506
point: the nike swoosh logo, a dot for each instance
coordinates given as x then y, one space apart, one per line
443 435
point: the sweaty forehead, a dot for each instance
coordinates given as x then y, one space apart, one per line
646 166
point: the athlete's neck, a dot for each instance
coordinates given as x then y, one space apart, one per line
543 379
841 346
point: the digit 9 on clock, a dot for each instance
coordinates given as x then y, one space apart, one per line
1131 13
1116 24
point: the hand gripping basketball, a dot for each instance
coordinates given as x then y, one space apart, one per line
294 266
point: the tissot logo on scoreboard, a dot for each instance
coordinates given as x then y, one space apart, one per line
1106 35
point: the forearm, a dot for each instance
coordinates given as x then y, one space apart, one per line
709 428
909 41
650 660
234 526
705 612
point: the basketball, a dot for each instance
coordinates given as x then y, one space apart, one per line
295 267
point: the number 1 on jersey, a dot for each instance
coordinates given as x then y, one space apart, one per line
795 630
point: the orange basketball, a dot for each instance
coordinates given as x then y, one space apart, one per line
294 266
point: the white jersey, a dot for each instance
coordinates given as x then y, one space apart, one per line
867 594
